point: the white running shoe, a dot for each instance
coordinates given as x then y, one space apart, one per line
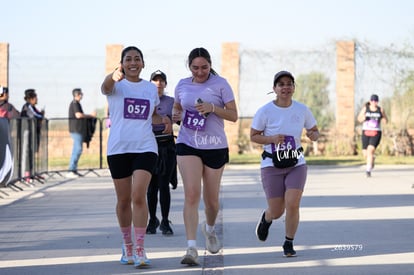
140 258
72 175
213 244
127 254
190 257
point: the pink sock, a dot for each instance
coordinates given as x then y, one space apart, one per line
139 236
126 234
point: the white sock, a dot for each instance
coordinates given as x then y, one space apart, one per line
191 243
209 228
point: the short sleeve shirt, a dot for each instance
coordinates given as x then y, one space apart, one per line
289 121
131 105
197 131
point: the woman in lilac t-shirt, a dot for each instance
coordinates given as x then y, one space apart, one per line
202 103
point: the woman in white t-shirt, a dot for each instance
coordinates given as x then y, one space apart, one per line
132 149
278 125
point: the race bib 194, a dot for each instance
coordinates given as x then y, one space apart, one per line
194 121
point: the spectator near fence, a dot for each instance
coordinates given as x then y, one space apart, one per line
6 154
77 128
7 109
31 128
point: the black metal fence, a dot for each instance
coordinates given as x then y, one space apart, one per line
42 148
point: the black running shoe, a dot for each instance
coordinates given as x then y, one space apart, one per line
152 226
262 228
368 173
166 228
288 250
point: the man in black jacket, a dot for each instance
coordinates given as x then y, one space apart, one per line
76 128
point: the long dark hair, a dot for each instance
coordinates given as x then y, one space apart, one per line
201 52
131 48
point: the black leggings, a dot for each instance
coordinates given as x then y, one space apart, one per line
161 179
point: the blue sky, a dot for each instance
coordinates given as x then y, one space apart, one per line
82 28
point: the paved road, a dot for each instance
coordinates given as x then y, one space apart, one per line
350 224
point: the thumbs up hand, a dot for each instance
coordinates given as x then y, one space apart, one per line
118 74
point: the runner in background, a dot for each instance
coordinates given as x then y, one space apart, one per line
371 116
166 170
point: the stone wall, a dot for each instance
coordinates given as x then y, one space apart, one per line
4 64
344 133
113 57
345 87
230 69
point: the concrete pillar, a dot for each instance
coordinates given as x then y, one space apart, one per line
345 89
4 64
230 69
112 60
113 57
